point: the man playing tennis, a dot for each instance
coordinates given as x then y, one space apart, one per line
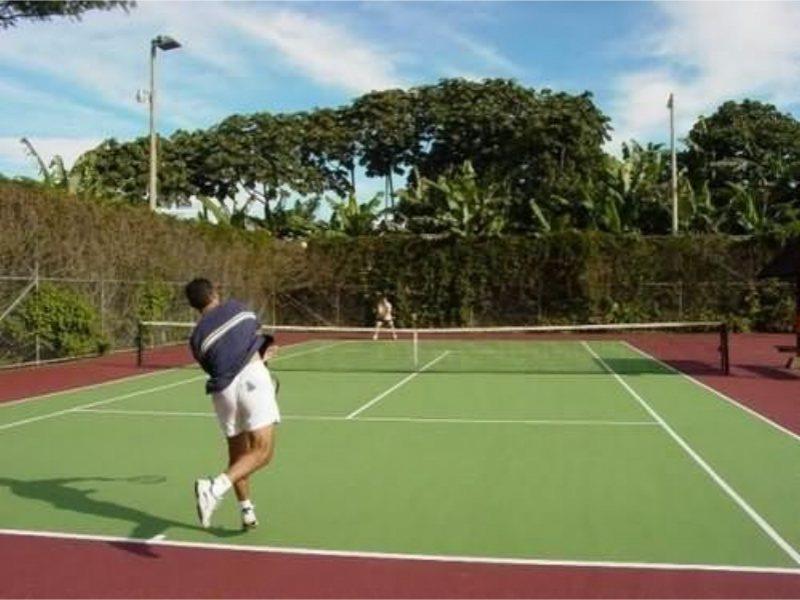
229 346
383 312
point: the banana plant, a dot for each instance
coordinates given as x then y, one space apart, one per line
354 219
696 209
634 194
55 175
237 216
751 211
456 203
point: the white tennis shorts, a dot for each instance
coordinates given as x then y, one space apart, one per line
248 403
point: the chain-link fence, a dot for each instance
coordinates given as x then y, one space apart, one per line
31 331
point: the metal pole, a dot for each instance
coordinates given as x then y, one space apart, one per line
794 361
724 349
153 190
674 166
36 287
139 344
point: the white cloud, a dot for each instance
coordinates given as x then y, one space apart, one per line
706 53
494 62
104 58
323 51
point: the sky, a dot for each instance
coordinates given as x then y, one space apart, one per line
68 85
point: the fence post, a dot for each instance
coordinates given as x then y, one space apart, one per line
36 291
139 344
724 349
103 306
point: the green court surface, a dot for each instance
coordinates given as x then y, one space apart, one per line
556 450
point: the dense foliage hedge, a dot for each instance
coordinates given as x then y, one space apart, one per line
64 322
564 277
560 278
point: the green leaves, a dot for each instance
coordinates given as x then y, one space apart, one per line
66 324
354 219
13 11
480 159
455 204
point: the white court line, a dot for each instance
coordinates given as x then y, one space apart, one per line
134 394
716 392
751 512
87 387
434 420
143 413
99 403
400 383
121 380
309 351
565 422
437 558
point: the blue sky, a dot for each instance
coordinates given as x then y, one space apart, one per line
67 85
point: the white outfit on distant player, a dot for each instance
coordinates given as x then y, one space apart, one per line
384 313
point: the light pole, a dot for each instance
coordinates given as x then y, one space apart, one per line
674 165
162 42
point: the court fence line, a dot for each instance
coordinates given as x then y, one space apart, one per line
118 303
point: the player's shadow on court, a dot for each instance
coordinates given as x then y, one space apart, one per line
61 494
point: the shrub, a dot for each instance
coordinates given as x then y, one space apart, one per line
66 324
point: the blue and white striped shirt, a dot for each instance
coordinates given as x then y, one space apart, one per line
224 340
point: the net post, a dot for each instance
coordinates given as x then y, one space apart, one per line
415 340
724 349
139 343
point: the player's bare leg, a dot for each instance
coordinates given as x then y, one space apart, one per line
237 446
378 326
391 327
261 447
251 450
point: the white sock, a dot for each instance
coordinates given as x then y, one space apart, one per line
220 485
246 504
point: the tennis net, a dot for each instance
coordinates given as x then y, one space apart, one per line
556 349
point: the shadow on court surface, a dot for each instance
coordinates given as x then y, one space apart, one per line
62 495
508 365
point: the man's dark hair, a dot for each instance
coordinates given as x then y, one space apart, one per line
199 292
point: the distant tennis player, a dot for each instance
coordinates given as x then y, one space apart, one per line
228 343
383 313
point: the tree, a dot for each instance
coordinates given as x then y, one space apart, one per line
354 219
751 211
457 203
634 193
14 11
542 145
327 149
54 175
120 171
296 221
747 143
386 128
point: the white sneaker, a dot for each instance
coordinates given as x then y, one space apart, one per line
206 501
249 519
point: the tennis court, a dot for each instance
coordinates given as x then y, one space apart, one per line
563 451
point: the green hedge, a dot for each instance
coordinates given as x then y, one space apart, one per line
558 278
